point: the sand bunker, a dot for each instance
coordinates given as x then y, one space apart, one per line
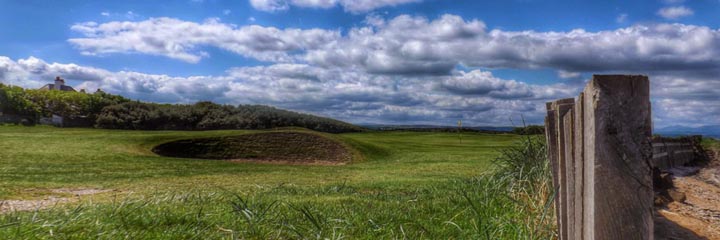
270 147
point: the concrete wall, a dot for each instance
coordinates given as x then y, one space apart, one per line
600 149
674 152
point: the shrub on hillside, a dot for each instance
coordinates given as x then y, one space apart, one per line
16 101
35 104
211 116
113 111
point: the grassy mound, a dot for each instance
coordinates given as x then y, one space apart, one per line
280 147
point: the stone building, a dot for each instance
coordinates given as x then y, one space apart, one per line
58 85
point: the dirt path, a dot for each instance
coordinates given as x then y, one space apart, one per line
698 216
49 201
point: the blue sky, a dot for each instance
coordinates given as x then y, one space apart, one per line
383 61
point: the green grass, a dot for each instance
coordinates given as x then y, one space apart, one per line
711 143
405 185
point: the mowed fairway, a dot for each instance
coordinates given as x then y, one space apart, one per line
401 184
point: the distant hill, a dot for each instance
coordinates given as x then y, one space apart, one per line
211 116
429 128
677 130
103 110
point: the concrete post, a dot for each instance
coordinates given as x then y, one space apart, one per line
568 126
579 164
617 153
552 146
556 152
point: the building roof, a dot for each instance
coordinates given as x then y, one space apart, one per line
62 88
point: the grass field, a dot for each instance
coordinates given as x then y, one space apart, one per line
401 185
711 143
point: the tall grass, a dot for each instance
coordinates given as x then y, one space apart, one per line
516 200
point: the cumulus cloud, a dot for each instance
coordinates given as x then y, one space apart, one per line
181 39
675 12
34 72
269 5
406 67
405 43
341 93
410 45
671 111
484 83
353 6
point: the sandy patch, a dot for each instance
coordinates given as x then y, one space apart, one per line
49 201
286 148
698 217
285 162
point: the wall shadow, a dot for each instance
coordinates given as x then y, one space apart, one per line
669 230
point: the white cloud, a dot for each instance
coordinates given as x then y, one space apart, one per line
405 67
673 1
360 6
675 12
416 45
340 93
314 3
353 6
567 75
181 40
226 12
621 18
131 15
671 111
483 83
269 5
408 44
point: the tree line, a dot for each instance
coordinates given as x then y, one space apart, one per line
530 130
104 110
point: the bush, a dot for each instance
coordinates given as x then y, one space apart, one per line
35 104
16 101
105 110
211 116
529 130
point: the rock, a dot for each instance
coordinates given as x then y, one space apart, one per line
676 196
661 200
666 180
666 196
661 180
683 171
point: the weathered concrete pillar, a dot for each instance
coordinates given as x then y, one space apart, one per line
617 153
552 145
557 110
579 164
568 126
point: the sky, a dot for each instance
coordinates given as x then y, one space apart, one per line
489 63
